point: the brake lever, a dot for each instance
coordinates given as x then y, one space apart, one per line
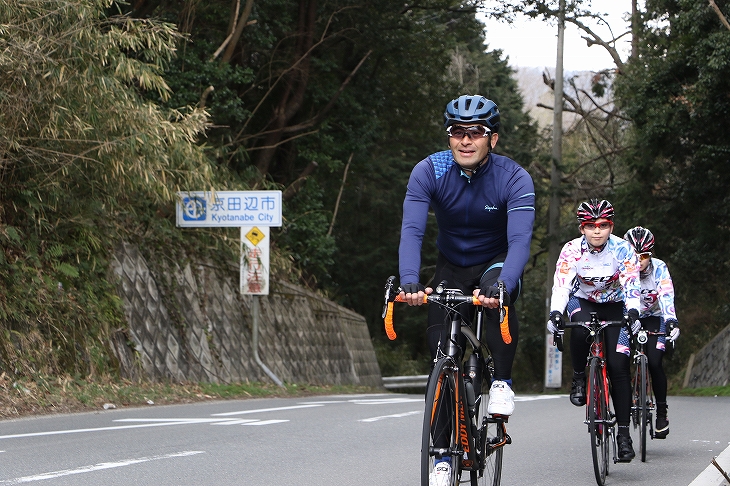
500 286
388 296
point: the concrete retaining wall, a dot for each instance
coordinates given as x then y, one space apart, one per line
711 364
191 324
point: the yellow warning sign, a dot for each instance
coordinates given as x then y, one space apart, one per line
255 236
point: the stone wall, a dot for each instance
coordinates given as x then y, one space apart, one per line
711 364
192 324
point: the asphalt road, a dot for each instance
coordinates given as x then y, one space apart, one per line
333 440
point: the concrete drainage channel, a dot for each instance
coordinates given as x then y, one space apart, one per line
400 382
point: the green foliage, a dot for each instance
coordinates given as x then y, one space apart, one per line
398 360
676 93
82 157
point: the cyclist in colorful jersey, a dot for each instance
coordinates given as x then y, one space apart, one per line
657 315
601 273
484 205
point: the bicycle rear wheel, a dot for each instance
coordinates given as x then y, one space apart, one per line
440 421
490 439
643 406
598 421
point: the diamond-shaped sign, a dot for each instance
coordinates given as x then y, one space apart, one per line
255 236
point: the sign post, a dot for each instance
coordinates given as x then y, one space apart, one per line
254 212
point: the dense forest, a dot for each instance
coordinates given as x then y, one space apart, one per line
108 108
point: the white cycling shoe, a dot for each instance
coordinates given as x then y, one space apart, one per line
501 399
441 475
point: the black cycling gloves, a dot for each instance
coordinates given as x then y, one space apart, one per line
493 292
413 288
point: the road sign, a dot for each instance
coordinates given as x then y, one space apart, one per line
197 209
255 275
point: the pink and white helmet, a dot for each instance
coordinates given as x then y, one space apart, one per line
640 238
594 209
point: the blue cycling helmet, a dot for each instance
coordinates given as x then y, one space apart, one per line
472 109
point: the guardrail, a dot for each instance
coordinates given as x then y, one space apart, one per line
415 381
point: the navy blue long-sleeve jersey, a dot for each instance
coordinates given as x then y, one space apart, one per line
478 217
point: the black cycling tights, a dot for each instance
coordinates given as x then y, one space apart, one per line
618 364
467 279
655 357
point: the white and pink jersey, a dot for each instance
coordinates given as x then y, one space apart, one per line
657 292
609 275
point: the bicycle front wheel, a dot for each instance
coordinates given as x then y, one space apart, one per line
439 422
495 440
598 421
643 407
491 439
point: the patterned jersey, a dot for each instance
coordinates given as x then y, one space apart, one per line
657 291
609 275
479 217
657 296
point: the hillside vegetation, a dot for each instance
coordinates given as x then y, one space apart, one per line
107 109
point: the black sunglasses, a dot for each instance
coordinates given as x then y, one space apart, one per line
477 131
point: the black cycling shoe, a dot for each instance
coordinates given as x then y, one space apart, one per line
662 428
578 392
625 448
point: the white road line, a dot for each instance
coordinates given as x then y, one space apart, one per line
96 467
324 402
397 415
234 422
385 401
266 422
530 398
260 410
99 429
162 420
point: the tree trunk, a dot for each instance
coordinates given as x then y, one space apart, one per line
295 86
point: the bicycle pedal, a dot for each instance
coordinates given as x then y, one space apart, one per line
503 418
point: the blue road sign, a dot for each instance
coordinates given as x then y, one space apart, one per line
197 209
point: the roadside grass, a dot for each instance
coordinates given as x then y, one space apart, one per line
47 395
712 391
67 394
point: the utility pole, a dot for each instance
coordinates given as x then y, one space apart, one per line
552 357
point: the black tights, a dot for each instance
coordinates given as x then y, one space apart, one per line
654 358
618 364
467 279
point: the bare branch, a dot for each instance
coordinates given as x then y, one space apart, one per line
309 123
596 39
297 184
240 24
284 73
282 142
339 195
204 96
719 13
228 39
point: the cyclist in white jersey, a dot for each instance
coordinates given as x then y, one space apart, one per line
657 315
599 272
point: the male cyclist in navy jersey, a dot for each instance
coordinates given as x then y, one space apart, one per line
484 205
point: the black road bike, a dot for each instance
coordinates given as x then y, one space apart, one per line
456 425
642 402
